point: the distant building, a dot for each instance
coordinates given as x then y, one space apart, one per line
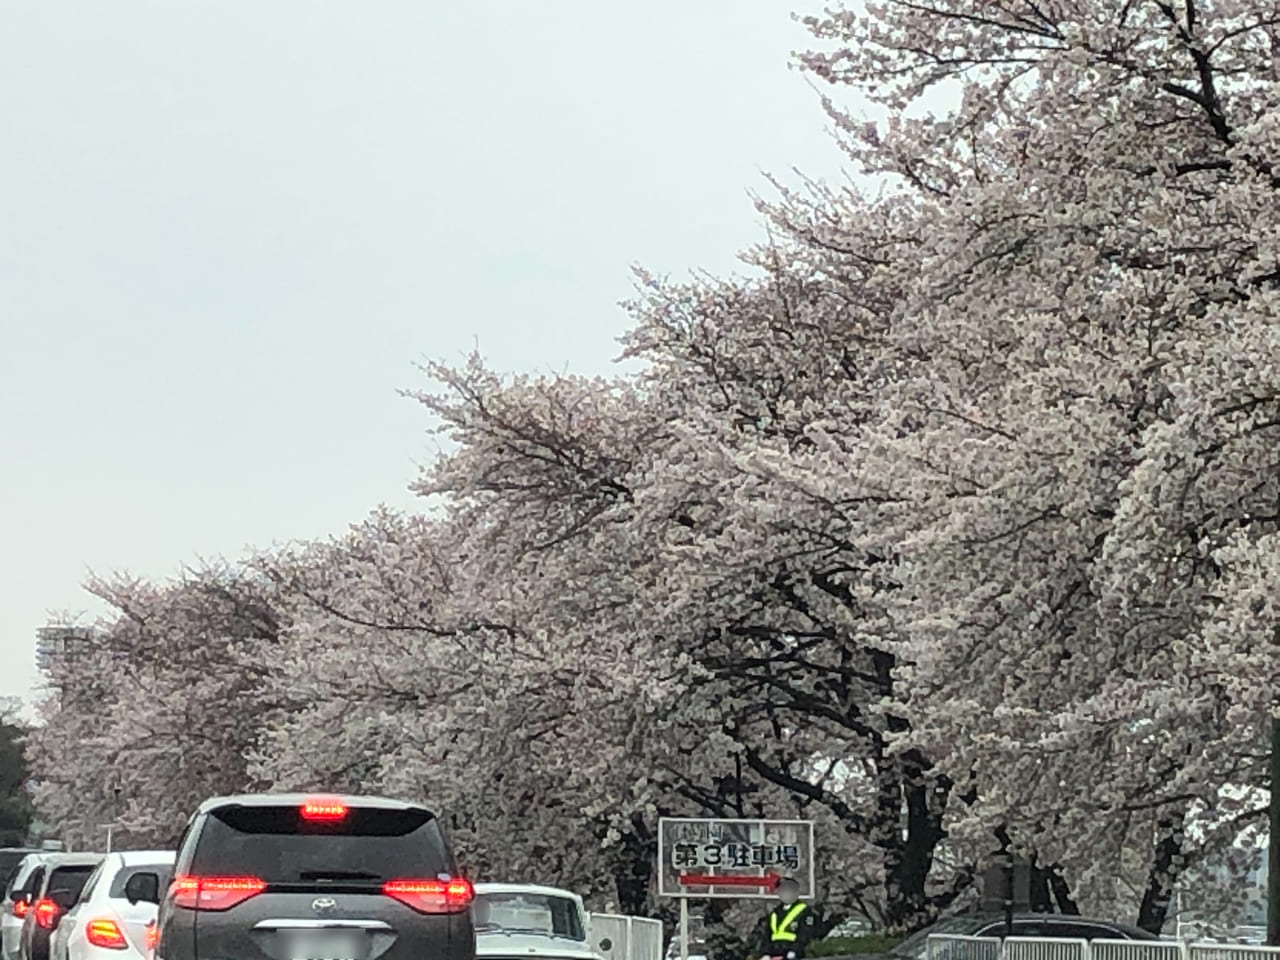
59 645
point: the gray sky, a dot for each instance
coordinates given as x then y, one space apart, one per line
228 229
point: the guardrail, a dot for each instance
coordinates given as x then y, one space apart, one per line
954 946
945 946
1208 950
1137 950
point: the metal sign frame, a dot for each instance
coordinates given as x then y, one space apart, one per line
771 842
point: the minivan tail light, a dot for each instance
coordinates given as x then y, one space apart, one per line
151 935
105 933
214 893
46 912
20 908
431 896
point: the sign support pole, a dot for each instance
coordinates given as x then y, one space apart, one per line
684 928
1273 845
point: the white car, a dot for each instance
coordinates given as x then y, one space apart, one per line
514 921
116 910
17 901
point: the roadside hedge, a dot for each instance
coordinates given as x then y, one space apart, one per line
853 946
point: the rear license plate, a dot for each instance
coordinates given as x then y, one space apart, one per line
328 945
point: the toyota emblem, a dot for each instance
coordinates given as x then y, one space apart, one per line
324 904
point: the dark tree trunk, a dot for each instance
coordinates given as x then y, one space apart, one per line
1041 895
1061 890
1049 889
634 870
924 830
906 780
1154 909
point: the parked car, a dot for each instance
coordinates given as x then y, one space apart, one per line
313 878
1059 925
62 877
521 920
116 908
18 896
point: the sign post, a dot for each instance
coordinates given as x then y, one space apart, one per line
740 859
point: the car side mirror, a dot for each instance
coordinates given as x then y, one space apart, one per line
142 888
606 944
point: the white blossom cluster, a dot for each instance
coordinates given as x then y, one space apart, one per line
953 525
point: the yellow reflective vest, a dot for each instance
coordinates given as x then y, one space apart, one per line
780 930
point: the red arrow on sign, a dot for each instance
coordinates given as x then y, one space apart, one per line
769 881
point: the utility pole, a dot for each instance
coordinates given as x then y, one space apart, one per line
1273 842
115 811
1008 893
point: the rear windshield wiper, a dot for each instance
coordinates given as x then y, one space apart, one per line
337 875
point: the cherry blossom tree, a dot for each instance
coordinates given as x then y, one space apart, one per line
679 567
160 710
1084 380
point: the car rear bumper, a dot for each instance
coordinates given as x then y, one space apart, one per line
87 951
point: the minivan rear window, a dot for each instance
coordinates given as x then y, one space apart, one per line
277 845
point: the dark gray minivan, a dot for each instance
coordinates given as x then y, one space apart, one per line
298 877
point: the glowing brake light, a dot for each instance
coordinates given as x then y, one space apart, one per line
20 908
214 893
431 896
105 933
151 935
324 809
46 912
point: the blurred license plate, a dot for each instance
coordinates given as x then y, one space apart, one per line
328 945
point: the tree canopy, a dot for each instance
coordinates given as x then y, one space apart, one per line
951 523
15 802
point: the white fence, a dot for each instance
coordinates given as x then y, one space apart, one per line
637 938
950 946
942 946
1206 950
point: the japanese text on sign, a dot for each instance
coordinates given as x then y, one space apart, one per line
689 856
710 858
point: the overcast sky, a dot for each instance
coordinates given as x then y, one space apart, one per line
229 228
